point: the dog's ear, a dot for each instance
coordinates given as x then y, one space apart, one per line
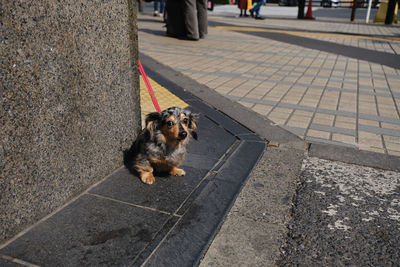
153 121
193 125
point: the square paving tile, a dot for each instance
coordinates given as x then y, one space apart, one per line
165 194
213 140
90 231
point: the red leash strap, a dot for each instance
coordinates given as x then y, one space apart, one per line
151 92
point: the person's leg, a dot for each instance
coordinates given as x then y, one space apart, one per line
257 7
202 17
140 5
155 7
190 17
162 5
175 18
242 6
251 12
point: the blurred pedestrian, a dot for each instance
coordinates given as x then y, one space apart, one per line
162 4
210 5
187 19
256 9
242 5
195 14
140 5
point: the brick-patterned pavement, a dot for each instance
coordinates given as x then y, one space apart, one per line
320 96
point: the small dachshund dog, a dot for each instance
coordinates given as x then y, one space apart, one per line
161 145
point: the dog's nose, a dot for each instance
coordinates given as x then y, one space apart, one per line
182 135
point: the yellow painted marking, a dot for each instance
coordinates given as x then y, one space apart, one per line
303 33
164 97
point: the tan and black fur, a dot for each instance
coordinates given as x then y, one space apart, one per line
161 145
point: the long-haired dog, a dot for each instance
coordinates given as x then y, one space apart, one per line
161 145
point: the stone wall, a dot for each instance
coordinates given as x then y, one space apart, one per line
69 101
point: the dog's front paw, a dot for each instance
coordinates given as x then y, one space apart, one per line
147 178
177 172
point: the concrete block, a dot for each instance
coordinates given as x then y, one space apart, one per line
69 101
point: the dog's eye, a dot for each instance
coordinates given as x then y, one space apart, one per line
170 123
185 121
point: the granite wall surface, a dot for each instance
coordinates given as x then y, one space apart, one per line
69 101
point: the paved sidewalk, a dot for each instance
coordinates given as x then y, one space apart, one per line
284 190
297 207
289 73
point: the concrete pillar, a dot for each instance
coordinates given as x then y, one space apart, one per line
69 101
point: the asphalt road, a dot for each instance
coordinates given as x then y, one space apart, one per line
344 215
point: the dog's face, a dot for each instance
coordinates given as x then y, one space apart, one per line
175 124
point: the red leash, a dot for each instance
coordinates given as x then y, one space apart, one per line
151 92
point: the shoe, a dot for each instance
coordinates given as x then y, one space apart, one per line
246 15
160 14
260 18
155 13
251 13
191 38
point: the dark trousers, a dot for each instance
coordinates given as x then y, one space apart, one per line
187 18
